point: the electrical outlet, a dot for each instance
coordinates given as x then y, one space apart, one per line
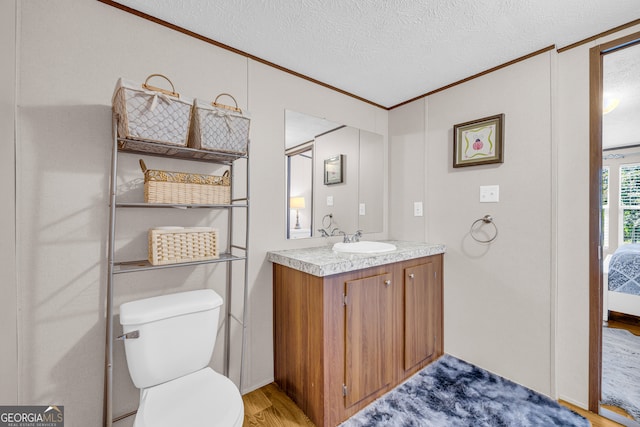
329 200
362 209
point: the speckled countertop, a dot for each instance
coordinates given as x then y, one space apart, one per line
323 261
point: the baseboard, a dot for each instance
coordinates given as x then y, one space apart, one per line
256 386
581 405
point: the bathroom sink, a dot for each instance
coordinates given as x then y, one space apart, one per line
364 247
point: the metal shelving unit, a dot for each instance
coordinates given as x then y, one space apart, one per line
122 145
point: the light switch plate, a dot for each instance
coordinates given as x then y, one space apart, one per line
489 193
417 208
329 200
362 209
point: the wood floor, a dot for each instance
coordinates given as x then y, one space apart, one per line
596 420
624 321
270 407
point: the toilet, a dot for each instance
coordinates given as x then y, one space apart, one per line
168 342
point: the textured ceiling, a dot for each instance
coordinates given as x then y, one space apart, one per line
301 128
390 51
621 82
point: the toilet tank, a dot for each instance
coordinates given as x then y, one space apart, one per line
177 333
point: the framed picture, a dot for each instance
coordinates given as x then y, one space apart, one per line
478 142
334 170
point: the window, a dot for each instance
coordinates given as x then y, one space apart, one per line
630 202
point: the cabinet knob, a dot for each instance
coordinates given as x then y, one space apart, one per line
387 282
411 276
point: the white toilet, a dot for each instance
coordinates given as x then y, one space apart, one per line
169 362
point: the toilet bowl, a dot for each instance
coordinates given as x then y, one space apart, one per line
203 398
171 340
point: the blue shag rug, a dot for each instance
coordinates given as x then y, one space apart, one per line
620 374
453 393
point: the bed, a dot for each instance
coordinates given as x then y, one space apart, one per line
621 282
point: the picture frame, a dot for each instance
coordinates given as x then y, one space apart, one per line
479 142
334 170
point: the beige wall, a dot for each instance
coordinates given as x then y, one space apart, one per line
68 67
498 296
407 170
518 307
69 63
8 307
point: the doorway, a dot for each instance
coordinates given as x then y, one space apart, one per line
607 214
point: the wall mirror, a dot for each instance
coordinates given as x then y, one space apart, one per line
334 177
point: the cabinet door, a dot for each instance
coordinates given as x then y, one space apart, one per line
419 313
368 336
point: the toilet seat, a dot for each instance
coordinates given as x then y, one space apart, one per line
201 399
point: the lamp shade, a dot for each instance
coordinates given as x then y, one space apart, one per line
609 104
296 203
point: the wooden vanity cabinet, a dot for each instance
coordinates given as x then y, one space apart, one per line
368 337
421 327
341 341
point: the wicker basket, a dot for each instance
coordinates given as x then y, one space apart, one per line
219 127
150 113
185 188
173 245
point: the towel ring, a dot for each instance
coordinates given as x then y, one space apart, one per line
329 223
487 219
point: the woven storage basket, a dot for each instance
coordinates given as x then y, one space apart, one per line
172 245
150 113
185 188
219 127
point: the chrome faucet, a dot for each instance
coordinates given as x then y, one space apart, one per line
351 239
323 232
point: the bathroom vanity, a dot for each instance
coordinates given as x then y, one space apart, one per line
350 327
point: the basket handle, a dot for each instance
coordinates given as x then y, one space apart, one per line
228 107
172 92
143 166
226 173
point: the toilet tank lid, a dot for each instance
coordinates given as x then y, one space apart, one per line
166 306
